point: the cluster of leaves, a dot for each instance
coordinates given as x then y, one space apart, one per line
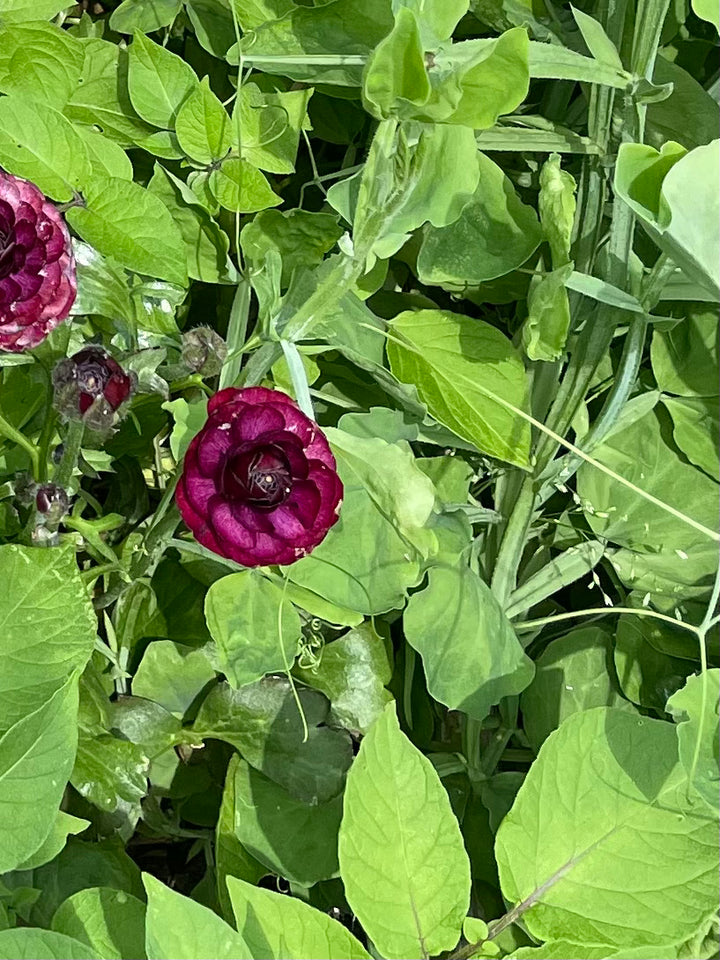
482 715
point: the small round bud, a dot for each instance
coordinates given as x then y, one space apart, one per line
91 386
203 351
52 501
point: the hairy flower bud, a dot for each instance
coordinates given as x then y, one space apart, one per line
52 501
37 269
203 351
259 484
91 386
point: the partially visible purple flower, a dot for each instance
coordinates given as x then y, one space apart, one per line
90 386
259 484
37 267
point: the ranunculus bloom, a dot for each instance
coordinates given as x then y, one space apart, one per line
37 267
259 484
90 386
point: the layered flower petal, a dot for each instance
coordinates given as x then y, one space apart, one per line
37 269
259 484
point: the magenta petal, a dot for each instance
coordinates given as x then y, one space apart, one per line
255 420
212 447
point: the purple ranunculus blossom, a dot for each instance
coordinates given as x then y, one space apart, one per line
90 386
259 484
37 267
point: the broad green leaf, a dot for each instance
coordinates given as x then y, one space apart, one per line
471 656
47 626
390 199
695 710
296 45
296 840
661 554
467 373
264 722
487 78
572 674
177 926
494 234
102 285
255 13
240 187
402 861
144 15
450 475
696 430
639 177
29 943
437 18
40 61
39 144
231 858
685 359
302 238
102 98
79 865
689 116
566 950
202 125
124 221
685 224
401 491
159 82
371 557
708 10
171 675
206 244
352 673
606 790
255 628
548 322
65 825
111 922
213 24
395 82
270 125
111 773
275 925
36 757
19 11
647 669
107 159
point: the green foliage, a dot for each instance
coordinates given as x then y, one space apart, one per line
478 240
402 860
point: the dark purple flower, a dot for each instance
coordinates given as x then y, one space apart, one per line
90 386
37 267
259 484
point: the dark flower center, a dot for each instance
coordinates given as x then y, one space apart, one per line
7 249
260 476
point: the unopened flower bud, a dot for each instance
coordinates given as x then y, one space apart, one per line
91 386
203 351
52 501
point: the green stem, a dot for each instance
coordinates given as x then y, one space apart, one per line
7 430
528 625
237 332
71 451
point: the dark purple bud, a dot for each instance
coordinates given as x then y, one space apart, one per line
203 351
37 268
52 501
259 484
91 386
